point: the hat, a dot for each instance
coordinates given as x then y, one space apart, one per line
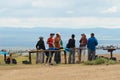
58 33
82 34
40 37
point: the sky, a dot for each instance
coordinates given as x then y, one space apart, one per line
60 13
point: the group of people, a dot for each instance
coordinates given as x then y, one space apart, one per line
56 43
53 43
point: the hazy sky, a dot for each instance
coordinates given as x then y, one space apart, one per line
60 13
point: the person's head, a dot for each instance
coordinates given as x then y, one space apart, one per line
58 34
73 36
52 34
83 35
92 34
41 38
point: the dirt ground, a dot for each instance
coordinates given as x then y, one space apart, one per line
60 72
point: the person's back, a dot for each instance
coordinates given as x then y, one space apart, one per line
71 44
40 44
91 45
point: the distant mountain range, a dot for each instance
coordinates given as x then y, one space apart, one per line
27 37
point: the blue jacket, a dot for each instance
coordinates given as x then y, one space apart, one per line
92 43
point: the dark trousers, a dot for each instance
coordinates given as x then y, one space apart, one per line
71 58
49 57
91 55
57 57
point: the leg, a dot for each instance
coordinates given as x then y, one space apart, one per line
50 57
43 57
55 57
89 55
69 58
47 56
58 57
83 55
38 59
93 55
73 55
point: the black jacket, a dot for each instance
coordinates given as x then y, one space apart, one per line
40 45
71 43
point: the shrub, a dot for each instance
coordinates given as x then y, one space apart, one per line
88 63
112 62
99 61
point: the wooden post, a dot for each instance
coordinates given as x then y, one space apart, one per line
65 57
37 57
30 59
5 58
79 52
111 54
10 58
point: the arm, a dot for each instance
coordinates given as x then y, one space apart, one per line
43 45
96 42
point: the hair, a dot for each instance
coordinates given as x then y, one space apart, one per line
92 34
41 38
73 36
52 34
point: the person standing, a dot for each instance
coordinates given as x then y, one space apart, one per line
40 46
83 43
91 45
50 42
57 57
71 46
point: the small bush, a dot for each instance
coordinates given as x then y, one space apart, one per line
112 62
88 63
99 61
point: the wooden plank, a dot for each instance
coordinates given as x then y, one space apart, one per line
39 52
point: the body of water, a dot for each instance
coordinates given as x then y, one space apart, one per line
25 39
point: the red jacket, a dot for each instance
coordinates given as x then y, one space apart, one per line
50 42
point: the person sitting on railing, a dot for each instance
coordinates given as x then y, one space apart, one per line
41 46
57 57
50 42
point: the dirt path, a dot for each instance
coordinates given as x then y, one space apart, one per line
60 72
